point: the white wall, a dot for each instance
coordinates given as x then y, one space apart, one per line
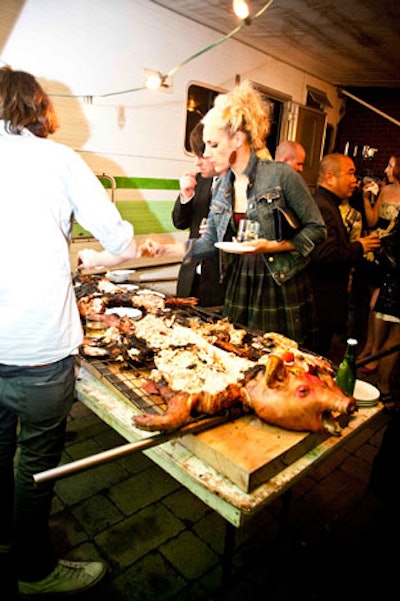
96 47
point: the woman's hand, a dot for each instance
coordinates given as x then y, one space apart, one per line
151 248
262 245
371 186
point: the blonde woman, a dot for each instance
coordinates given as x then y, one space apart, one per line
267 289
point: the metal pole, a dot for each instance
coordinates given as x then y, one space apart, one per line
383 353
369 106
93 460
141 445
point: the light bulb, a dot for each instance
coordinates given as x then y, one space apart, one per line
240 9
154 81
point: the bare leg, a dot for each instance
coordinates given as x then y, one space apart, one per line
369 342
370 345
380 332
388 363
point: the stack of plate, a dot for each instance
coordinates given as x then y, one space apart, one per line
365 394
124 312
118 276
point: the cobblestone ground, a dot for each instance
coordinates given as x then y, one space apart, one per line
160 543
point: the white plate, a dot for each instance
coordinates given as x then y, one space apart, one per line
128 287
366 405
148 291
124 312
237 248
118 276
365 394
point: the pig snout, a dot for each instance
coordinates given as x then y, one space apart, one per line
296 401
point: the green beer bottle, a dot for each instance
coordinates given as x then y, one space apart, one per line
346 373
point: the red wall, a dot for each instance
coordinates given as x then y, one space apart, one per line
361 126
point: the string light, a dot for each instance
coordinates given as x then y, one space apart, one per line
154 81
245 21
157 80
241 9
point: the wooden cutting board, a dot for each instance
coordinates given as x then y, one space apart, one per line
249 451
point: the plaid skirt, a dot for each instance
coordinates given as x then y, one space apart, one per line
254 300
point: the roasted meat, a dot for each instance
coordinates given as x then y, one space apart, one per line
207 365
182 406
295 398
280 393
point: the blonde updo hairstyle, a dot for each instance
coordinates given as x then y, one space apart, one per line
242 109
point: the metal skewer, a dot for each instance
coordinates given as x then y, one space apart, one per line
383 353
141 445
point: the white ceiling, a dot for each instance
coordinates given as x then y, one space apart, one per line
348 43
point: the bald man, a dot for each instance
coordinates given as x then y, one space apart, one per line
331 261
292 153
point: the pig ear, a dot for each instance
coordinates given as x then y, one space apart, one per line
275 372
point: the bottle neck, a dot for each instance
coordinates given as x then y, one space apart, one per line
350 353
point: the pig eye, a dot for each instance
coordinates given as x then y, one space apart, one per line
303 390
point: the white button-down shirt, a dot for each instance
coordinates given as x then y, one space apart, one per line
43 184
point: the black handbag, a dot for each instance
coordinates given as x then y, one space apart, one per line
388 255
388 301
286 223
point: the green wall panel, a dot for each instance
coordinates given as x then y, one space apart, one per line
147 217
144 183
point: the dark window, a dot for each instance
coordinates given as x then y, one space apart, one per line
317 99
199 101
278 115
329 139
275 116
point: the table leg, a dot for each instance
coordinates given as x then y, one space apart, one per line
229 547
286 499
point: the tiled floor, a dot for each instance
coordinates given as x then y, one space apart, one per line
161 543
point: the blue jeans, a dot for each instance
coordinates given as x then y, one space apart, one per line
34 404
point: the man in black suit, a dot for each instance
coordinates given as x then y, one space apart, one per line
332 260
201 280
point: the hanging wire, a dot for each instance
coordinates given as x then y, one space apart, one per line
246 21
88 98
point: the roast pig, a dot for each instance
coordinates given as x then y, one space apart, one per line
290 396
295 399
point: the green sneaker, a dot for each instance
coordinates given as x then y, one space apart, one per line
67 577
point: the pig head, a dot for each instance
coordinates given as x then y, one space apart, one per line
294 398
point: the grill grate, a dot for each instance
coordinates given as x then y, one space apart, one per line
125 380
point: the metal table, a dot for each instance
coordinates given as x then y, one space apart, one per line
219 493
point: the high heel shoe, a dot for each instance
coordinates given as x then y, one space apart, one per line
367 369
390 405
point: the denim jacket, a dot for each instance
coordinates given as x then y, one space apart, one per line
270 184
